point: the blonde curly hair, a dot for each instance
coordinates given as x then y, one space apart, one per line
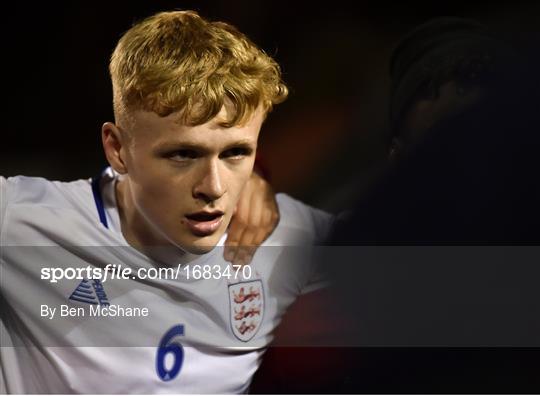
179 62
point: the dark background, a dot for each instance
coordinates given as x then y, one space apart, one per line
334 58
325 142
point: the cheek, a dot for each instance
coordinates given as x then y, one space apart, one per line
158 191
151 199
149 173
239 179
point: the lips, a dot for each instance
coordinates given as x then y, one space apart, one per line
204 223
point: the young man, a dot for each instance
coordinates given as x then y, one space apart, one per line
87 308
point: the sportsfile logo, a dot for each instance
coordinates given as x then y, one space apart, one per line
90 292
122 272
110 271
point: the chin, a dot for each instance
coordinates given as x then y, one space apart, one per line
196 249
201 245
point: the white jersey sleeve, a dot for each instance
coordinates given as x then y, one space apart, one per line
302 225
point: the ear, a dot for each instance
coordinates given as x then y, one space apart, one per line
115 146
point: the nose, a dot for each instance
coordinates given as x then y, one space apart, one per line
210 185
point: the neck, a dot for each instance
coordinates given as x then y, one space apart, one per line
139 233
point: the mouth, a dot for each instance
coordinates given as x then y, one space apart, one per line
204 223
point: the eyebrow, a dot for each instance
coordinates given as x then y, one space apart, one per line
172 146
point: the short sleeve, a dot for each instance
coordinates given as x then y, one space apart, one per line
303 226
323 223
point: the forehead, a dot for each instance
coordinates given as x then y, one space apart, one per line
150 129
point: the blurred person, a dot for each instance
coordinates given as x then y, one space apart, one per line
190 97
464 133
466 99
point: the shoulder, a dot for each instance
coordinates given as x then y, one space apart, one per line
35 208
24 190
300 223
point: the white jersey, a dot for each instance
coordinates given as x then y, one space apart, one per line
198 335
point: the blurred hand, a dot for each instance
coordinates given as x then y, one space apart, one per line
255 218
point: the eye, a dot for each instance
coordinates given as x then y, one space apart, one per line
183 155
236 153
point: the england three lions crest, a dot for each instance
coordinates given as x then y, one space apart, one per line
247 308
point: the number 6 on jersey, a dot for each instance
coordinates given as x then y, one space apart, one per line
175 349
